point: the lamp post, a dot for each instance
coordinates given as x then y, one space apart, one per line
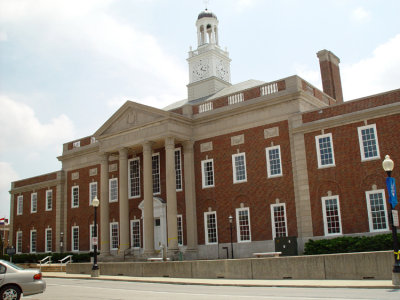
230 223
61 242
388 166
95 267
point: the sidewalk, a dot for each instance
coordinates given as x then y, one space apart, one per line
376 284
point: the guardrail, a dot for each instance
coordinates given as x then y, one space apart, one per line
45 261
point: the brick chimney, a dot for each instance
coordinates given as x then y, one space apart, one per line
330 74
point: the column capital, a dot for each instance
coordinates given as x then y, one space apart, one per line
169 142
147 146
123 153
104 156
188 145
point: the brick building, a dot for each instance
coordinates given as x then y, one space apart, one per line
282 158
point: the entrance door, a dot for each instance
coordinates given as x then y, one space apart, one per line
157 233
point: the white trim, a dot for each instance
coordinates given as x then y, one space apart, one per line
17 248
370 221
140 244
235 180
360 142
30 249
130 196
20 205
72 239
111 235
46 240
269 163
238 225
111 200
72 196
273 219
34 197
206 228
180 168
324 216
181 227
203 179
317 138
159 171
50 191
91 185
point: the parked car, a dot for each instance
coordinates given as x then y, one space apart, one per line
15 281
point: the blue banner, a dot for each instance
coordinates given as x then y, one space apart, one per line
391 187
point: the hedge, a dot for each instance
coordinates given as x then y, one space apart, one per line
347 244
55 257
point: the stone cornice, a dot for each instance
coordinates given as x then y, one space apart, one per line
36 186
76 152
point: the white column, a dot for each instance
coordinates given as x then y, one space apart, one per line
171 194
190 195
123 200
148 219
104 207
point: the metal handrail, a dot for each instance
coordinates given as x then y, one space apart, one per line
45 261
65 258
129 250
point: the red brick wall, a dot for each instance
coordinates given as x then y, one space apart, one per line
37 179
350 178
83 142
258 193
331 82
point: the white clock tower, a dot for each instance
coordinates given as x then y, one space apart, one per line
209 65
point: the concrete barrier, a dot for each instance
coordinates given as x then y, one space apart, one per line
367 265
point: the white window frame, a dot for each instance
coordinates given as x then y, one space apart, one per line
204 179
112 238
73 205
179 220
111 190
93 191
273 218
137 221
155 173
206 239
73 249
361 144
20 205
31 250
49 200
235 170
239 238
47 240
178 169
91 231
370 220
267 150
34 203
317 145
18 242
325 218
131 191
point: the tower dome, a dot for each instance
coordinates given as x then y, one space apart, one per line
206 14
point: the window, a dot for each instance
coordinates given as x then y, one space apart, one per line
331 215
368 140
19 242
207 171
113 190
178 169
180 230
75 238
75 196
114 236
91 232
33 202
92 192
278 220
243 225
49 200
155 163
33 241
135 233
325 150
20 205
274 166
48 240
210 224
239 167
376 204
134 177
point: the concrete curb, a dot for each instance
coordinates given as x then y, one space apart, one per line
365 284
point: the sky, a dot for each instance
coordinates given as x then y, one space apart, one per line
67 65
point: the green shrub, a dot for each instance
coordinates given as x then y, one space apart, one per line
348 244
55 257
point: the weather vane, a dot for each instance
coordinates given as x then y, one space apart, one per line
206 2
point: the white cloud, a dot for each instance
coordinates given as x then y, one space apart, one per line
8 174
361 15
21 129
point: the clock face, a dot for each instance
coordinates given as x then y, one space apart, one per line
200 70
222 72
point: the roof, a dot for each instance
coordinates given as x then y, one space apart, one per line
206 14
248 84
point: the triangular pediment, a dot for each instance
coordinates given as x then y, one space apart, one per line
130 115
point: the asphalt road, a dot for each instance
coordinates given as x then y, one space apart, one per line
76 289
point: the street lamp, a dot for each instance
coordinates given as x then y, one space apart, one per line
388 166
61 242
230 223
95 268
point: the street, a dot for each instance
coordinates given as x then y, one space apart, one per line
59 289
